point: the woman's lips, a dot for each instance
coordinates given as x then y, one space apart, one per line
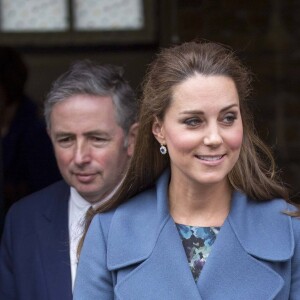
211 160
209 157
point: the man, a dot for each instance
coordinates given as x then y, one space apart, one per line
91 119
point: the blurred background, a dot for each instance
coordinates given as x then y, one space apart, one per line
51 34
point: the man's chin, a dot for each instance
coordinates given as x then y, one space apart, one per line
90 195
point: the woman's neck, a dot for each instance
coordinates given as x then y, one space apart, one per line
205 205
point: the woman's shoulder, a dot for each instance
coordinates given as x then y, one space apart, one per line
270 213
135 209
275 206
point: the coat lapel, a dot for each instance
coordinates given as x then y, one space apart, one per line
237 267
53 239
231 273
150 240
165 274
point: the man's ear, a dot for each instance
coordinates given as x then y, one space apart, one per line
131 138
157 130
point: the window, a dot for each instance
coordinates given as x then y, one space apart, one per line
108 14
34 15
69 22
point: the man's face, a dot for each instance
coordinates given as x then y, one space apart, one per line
89 145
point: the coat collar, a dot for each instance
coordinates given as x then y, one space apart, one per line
140 219
145 231
262 228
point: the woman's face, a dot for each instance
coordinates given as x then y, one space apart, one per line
202 129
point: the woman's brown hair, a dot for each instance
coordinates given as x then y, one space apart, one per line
255 171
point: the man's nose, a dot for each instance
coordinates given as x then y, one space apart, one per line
82 153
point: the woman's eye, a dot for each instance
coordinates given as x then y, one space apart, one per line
192 122
229 119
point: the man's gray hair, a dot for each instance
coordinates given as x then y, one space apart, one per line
88 78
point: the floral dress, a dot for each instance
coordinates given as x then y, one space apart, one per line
197 243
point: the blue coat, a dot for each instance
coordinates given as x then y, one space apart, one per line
135 253
34 253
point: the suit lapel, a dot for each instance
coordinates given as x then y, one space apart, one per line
53 239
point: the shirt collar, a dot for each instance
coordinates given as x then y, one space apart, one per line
78 201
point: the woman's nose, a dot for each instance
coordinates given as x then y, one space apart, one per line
212 136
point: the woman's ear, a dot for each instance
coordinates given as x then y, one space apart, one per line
131 138
158 131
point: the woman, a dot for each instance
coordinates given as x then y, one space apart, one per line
200 214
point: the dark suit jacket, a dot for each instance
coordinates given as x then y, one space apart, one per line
34 253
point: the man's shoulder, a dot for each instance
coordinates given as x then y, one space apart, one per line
41 199
55 188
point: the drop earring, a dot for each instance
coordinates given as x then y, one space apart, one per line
163 150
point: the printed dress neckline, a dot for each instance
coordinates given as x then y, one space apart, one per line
197 242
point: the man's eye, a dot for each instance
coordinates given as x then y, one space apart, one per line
65 141
97 139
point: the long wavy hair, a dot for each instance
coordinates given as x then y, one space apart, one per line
255 171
